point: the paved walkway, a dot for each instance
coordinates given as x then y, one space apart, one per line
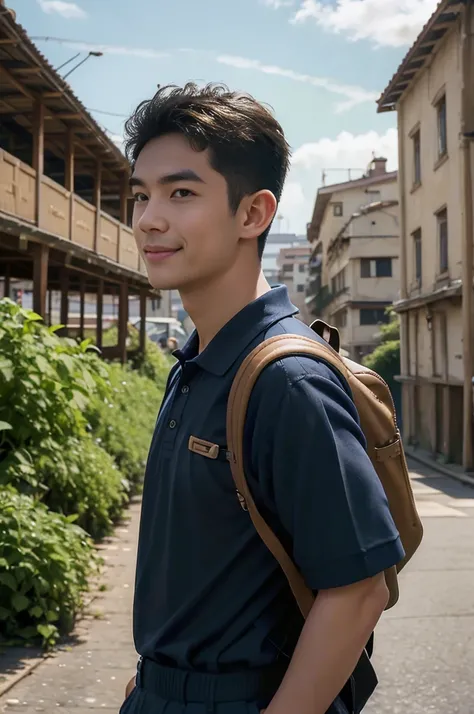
89 674
424 646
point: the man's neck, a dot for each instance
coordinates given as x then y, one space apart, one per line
211 307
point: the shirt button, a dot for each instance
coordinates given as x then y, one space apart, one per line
185 389
172 424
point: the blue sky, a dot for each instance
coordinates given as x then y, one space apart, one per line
320 65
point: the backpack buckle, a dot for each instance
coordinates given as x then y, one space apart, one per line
242 501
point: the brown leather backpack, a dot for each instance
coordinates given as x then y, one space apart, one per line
377 416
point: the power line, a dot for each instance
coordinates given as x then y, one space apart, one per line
110 114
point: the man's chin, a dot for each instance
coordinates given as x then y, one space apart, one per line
163 282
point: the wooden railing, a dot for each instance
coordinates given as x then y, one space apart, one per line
64 214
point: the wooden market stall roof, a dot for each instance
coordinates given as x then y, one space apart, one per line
25 76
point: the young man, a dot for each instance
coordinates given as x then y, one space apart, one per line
215 624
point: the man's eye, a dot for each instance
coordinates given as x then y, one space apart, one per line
182 193
139 197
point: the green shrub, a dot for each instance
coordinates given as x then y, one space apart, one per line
123 424
155 364
45 561
46 383
385 360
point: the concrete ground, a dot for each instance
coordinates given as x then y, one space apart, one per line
424 646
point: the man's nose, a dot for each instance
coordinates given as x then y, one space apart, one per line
153 218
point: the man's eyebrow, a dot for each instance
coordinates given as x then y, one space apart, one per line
175 177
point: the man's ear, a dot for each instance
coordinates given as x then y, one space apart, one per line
256 213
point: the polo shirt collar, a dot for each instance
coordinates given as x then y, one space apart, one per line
242 329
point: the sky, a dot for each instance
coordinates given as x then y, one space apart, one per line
320 65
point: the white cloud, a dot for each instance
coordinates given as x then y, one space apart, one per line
143 52
68 10
353 95
391 23
346 151
277 4
117 139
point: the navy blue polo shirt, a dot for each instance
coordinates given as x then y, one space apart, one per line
208 594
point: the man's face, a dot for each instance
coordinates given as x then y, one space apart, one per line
182 221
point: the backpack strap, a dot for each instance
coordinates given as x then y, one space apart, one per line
269 351
363 681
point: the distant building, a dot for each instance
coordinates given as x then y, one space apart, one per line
353 264
433 94
363 276
293 272
275 242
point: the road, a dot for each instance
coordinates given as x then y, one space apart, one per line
424 646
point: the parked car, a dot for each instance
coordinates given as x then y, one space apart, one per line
160 329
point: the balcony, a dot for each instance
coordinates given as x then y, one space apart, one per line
62 214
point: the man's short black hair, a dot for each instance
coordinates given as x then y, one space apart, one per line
246 143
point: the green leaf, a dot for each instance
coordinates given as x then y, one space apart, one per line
43 364
6 368
52 616
8 580
36 611
34 317
28 633
55 328
4 613
46 631
20 602
4 426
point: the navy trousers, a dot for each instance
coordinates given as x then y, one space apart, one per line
164 690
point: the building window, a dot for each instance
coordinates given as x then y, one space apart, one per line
301 268
287 267
417 158
340 319
300 288
442 129
442 220
376 268
337 209
373 316
338 283
417 252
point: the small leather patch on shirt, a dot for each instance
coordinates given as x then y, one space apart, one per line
204 448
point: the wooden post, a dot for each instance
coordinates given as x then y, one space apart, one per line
50 307
38 154
40 278
69 178
124 193
64 317
123 321
97 193
99 313
143 302
6 285
82 292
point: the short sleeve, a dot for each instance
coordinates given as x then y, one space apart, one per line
309 457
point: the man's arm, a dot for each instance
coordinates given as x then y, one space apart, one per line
130 687
331 643
310 468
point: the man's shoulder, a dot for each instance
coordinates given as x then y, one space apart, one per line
285 372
